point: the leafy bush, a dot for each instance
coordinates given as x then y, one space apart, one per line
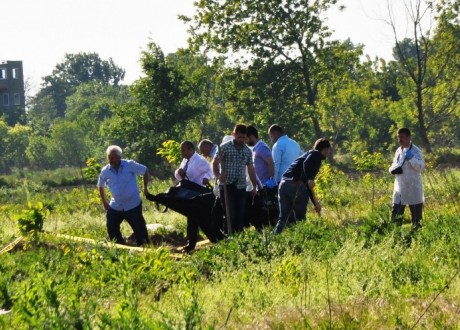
30 222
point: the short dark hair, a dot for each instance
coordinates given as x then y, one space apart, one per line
188 145
251 130
276 128
240 128
404 130
321 144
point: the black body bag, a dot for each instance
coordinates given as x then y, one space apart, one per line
186 198
188 189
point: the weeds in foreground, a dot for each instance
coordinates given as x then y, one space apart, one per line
350 268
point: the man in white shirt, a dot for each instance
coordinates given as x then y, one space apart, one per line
193 167
197 169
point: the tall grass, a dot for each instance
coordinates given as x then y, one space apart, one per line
351 268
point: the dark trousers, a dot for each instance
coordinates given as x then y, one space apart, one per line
136 221
209 228
293 199
257 213
415 210
236 204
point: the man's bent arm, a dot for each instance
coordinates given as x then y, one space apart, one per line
146 178
105 203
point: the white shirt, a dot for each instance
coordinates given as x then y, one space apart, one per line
198 168
408 186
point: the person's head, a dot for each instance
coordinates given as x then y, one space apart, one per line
404 137
253 135
205 147
114 154
187 149
324 146
239 134
275 131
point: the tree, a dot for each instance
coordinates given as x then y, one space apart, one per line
265 93
445 95
274 30
163 103
42 113
354 112
67 144
3 146
16 145
13 145
76 69
429 85
91 105
413 55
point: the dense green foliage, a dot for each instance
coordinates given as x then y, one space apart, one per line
257 63
349 269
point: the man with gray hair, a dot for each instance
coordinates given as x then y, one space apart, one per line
207 148
120 175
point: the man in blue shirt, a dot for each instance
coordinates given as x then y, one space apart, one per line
120 175
297 185
261 156
284 152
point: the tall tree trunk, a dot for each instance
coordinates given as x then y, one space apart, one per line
421 120
316 126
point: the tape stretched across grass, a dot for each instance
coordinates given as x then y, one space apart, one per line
91 241
12 245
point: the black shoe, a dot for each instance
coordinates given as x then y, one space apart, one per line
188 249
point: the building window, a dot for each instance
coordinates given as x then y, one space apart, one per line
15 73
6 99
2 73
17 99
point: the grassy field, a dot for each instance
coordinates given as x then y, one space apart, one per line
348 269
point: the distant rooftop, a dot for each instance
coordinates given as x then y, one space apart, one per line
6 61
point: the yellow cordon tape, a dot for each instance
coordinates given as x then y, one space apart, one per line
12 245
91 241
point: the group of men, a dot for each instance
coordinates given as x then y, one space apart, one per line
238 171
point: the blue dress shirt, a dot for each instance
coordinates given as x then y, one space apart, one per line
285 151
122 184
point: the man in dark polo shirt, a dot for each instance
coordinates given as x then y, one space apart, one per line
297 185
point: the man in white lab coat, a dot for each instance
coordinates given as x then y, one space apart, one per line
407 167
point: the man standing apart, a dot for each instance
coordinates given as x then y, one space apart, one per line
193 167
297 185
408 187
229 167
125 204
284 152
262 158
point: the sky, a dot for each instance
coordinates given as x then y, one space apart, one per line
41 32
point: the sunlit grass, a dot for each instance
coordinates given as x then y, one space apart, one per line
348 269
